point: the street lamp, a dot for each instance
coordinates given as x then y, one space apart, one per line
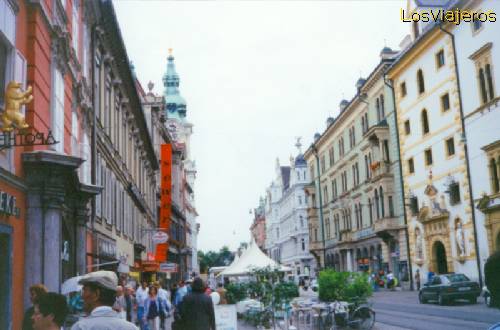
315 152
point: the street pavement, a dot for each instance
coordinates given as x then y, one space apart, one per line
400 310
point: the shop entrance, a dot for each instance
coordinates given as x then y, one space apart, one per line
5 276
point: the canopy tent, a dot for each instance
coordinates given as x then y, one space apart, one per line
252 258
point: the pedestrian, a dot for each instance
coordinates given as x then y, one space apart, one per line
180 293
154 307
50 311
417 279
141 295
173 292
36 291
99 295
120 305
222 294
164 296
390 280
197 309
129 302
430 275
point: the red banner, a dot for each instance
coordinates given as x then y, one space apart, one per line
165 199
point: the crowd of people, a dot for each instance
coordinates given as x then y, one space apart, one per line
106 305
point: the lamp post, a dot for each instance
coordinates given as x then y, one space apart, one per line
315 152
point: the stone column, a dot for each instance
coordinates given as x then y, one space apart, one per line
33 258
82 215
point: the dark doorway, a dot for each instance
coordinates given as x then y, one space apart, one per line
5 277
440 258
497 247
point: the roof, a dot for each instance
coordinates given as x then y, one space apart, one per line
300 161
285 175
252 258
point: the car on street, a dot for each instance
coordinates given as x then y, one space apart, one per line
448 287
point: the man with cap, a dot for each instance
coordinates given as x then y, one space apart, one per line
99 295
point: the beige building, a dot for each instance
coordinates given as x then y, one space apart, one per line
358 162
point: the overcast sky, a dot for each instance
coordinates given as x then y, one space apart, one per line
255 75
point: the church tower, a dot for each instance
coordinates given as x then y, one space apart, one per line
176 104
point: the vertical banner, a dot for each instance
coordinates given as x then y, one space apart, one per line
165 199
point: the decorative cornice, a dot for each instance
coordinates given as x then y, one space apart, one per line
485 48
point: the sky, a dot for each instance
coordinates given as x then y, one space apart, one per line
256 75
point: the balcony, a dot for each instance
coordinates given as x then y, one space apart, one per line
387 228
379 169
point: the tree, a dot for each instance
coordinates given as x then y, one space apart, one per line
214 259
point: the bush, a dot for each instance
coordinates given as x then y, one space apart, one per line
284 292
343 286
235 292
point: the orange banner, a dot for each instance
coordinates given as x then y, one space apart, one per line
165 199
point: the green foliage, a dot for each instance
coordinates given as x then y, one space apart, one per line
236 292
214 259
284 292
344 286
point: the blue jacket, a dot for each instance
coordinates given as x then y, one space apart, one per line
161 305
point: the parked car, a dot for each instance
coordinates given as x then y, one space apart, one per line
448 287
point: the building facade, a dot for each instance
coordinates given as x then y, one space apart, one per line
258 227
185 227
287 235
441 222
476 54
356 163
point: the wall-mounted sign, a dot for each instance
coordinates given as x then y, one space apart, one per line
12 118
8 205
168 267
160 237
165 198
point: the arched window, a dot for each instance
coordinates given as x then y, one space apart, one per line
382 107
494 176
490 82
381 197
425 122
482 85
370 210
377 106
420 81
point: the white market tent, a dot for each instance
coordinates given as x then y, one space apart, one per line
252 258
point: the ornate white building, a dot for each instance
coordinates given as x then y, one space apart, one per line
287 235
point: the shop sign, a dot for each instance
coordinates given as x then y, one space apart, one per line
160 237
168 267
15 131
225 317
8 205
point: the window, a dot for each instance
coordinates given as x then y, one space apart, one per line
75 22
376 200
420 81
370 211
391 207
411 167
300 200
445 102
454 191
450 147
428 157
402 88
494 175
382 107
4 65
303 242
482 85
58 110
331 156
381 196
323 164
367 125
407 127
334 188
440 59
367 168
377 106
490 82
341 147
301 221
414 205
325 191
425 122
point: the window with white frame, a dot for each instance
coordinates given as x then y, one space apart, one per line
86 166
75 150
98 198
58 109
85 44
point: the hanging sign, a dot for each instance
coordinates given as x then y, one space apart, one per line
160 237
165 198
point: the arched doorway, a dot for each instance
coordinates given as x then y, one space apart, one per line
440 262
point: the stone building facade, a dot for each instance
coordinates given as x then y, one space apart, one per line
258 227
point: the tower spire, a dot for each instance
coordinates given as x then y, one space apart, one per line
176 104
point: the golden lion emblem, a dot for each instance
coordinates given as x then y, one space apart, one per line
14 99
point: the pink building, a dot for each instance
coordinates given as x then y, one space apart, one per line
258 227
